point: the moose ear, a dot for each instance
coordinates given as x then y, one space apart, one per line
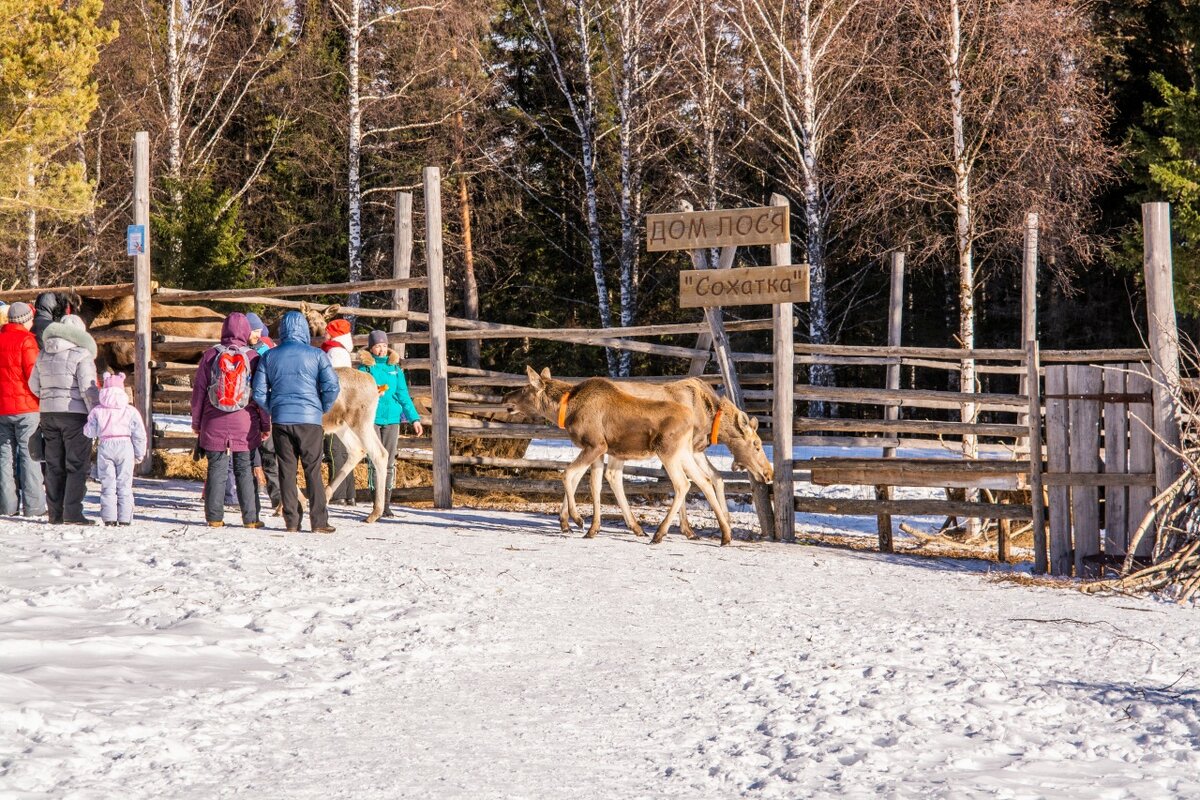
545 373
535 380
754 423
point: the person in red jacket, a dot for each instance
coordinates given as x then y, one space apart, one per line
20 479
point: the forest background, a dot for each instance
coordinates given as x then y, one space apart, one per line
281 129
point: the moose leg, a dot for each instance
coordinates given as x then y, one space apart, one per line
615 475
355 453
596 479
379 460
700 475
681 484
571 477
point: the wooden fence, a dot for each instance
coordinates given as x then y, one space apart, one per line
1089 435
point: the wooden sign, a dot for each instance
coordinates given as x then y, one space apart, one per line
752 286
696 230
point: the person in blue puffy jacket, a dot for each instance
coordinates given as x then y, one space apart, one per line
296 384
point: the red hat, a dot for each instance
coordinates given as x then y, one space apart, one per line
339 327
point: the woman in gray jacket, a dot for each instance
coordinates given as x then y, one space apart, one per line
64 379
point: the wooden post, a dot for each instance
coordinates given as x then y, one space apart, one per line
892 413
784 397
704 340
1164 341
439 388
1032 368
1029 293
1058 459
142 385
402 242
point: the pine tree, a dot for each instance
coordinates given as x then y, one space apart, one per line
1168 160
48 50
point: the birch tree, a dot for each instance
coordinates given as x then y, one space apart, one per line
361 20
810 56
581 21
987 109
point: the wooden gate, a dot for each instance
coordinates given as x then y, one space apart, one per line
1099 463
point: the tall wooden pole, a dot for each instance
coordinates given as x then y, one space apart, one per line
141 289
440 429
402 244
785 403
892 413
1164 341
1029 264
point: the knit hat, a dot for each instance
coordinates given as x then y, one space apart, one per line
376 337
256 323
20 312
114 380
339 327
74 321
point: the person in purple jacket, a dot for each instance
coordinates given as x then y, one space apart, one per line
229 424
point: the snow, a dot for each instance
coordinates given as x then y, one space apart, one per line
483 654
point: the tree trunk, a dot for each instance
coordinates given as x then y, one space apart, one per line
470 287
630 169
591 200
174 126
31 245
91 246
354 151
814 223
962 228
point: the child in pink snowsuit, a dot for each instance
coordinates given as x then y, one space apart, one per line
122 438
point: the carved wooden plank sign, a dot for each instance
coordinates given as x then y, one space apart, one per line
696 230
751 286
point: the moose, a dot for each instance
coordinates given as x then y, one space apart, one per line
600 418
715 420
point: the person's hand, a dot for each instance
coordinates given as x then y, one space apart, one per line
266 435
196 429
420 431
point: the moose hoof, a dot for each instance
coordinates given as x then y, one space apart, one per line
637 531
372 517
591 534
562 523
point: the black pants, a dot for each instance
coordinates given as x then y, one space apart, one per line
337 454
214 487
68 453
266 458
300 443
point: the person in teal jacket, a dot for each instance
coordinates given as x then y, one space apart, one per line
395 404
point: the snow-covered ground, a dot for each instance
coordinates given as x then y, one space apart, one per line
483 654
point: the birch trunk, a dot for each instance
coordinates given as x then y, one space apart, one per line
31 244
962 226
814 223
175 124
630 41
590 188
354 149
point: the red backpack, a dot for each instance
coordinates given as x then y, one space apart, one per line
229 382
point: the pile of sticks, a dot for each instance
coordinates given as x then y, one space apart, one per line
1176 561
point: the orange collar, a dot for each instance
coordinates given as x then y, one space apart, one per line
716 428
562 409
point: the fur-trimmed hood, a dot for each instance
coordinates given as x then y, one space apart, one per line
365 357
60 336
